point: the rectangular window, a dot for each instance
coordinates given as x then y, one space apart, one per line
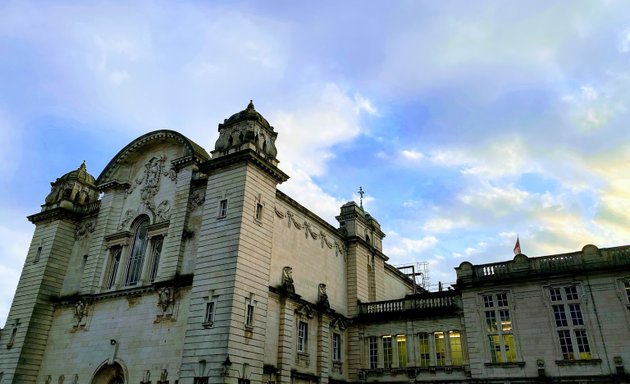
259 211
12 338
501 343
455 341
401 343
626 286
114 263
336 344
424 349
209 317
249 317
155 257
572 334
38 254
223 206
200 380
302 336
373 352
387 352
440 349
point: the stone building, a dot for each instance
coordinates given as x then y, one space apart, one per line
177 266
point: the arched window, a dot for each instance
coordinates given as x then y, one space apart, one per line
136 257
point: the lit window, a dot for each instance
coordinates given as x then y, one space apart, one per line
302 338
569 321
425 349
223 206
501 343
373 352
387 351
401 343
112 271
336 344
440 349
136 258
155 257
455 341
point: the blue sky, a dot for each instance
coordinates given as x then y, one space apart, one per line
466 123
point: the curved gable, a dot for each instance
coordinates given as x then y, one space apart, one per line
190 150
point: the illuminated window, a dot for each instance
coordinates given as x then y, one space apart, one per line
425 349
401 344
498 325
387 351
440 349
569 321
373 352
455 341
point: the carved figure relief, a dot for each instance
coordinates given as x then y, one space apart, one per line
322 296
197 198
287 280
163 212
84 229
80 312
129 215
166 299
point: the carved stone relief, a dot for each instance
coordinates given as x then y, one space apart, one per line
287 280
81 313
84 229
322 296
197 198
163 212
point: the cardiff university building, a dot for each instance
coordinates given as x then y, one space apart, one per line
180 266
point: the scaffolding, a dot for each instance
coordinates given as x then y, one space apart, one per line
418 273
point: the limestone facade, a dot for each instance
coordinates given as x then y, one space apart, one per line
177 266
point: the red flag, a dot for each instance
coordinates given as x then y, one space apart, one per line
517 247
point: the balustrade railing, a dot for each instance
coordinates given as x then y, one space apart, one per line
437 300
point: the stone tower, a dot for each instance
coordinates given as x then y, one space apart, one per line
59 234
228 307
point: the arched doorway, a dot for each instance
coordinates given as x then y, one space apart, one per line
109 374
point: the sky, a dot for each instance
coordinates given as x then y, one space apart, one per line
466 123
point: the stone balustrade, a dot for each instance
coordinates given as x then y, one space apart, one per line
427 302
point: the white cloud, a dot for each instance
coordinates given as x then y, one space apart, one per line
412 155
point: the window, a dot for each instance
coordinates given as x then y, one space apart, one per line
209 317
387 351
200 380
499 328
569 321
12 338
223 206
425 349
336 347
373 352
440 349
249 315
38 254
259 211
136 258
455 341
155 257
626 286
114 262
401 343
302 339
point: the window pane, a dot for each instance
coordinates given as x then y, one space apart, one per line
401 341
249 321
506 323
491 321
134 268
560 316
554 293
302 336
571 292
155 258
209 312
113 267
495 349
456 347
440 349
336 347
487 301
387 351
373 352
582 344
502 300
425 350
576 314
565 345
510 348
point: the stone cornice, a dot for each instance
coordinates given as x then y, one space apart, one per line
54 214
249 156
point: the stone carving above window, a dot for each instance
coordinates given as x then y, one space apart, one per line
81 308
322 296
287 280
197 198
166 303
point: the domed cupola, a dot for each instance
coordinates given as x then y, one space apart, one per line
75 188
247 129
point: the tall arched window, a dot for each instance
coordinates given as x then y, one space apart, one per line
136 257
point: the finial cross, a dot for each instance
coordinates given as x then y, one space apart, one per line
361 193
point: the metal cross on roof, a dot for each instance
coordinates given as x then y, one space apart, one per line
361 193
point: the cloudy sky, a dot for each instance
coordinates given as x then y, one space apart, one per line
466 123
